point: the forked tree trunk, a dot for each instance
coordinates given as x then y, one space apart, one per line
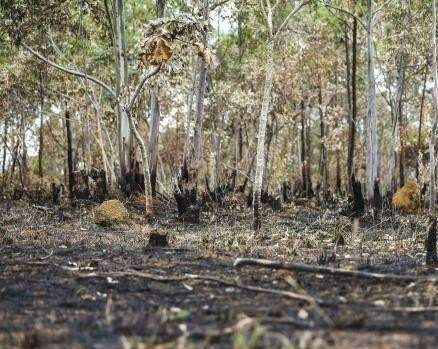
371 117
260 157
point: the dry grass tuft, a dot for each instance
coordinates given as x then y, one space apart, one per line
407 197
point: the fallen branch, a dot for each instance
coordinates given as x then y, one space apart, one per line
160 278
239 262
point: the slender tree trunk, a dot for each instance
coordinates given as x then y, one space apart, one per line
144 156
420 126
121 67
303 148
41 140
399 109
236 128
371 117
435 112
153 137
23 162
5 145
107 166
71 178
199 117
353 116
155 118
397 128
309 185
187 118
323 164
216 178
258 180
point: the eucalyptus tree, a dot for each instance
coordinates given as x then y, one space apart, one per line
432 142
268 10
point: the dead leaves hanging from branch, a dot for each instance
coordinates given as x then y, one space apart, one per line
161 36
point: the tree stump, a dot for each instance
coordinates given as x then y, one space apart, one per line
185 194
158 240
358 200
430 243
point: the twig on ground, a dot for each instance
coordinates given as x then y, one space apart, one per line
239 262
160 278
240 325
46 257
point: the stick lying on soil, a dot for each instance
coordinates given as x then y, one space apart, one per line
159 278
239 262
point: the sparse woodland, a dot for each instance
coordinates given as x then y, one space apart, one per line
218 174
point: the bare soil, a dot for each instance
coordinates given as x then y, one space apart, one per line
72 284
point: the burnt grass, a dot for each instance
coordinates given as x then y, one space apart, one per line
72 284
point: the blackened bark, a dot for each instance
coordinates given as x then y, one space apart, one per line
431 253
185 195
377 202
358 199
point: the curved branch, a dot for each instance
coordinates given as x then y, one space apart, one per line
343 11
145 76
69 71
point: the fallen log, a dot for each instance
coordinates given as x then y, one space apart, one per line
240 262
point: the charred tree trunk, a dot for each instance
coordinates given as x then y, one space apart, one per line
377 202
430 243
358 208
186 190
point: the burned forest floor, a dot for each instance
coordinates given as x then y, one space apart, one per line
73 284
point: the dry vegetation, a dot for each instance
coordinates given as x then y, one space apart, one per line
76 284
